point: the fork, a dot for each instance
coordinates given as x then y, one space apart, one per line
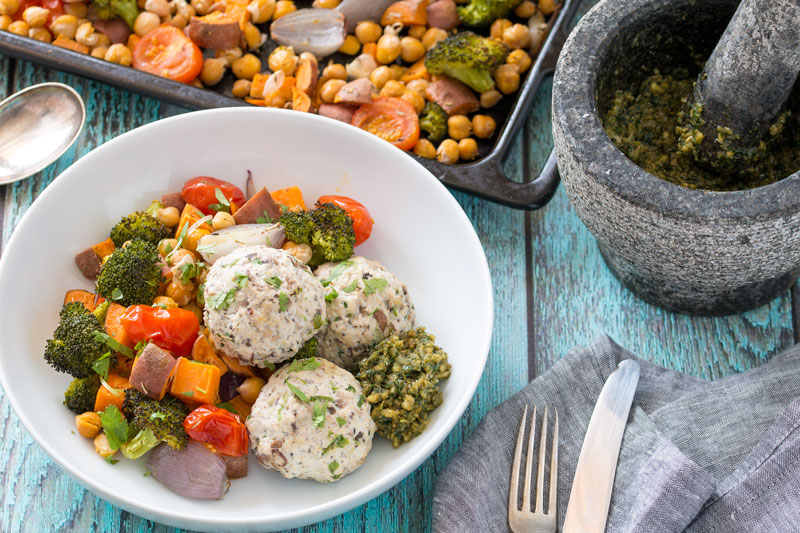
537 520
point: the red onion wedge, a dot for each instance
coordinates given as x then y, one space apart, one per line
194 471
222 242
319 31
357 10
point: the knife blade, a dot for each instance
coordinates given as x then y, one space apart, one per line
590 497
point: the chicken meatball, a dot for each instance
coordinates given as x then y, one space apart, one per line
262 305
365 303
311 421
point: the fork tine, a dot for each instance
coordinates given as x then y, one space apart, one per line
513 494
551 506
526 496
540 468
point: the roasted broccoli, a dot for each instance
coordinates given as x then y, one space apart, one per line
163 417
139 444
139 225
328 229
73 347
467 57
433 121
480 13
81 394
131 275
110 9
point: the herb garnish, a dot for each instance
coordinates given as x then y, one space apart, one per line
360 401
113 343
223 205
116 294
339 441
352 287
283 299
228 406
189 271
341 421
275 281
221 300
318 322
297 392
318 414
114 426
331 296
337 271
304 364
188 394
350 388
102 364
333 466
159 416
265 219
373 285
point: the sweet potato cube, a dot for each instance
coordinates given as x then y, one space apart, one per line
195 382
242 407
113 324
89 299
106 397
152 371
203 352
104 248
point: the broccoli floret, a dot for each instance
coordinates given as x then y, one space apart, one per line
468 58
328 229
125 9
131 275
139 225
480 13
73 347
101 310
163 417
140 444
433 121
81 394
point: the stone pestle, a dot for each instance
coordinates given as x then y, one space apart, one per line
742 91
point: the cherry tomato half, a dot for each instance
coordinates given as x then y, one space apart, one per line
201 192
362 221
391 119
218 427
171 329
166 51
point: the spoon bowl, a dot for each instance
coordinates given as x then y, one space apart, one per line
37 125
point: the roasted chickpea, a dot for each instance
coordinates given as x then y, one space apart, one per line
467 149
222 220
447 152
253 36
79 9
412 49
329 89
64 26
547 6
498 27
283 58
302 252
261 10
389 47
119 54
419 85
165 246
398 71
213 70
516 36
413 98
380 76
433 36
40 34
241 88
202 7
88 424
459 127
351 45
490 98
334 71
283 8
5 22
9 7
424 148
483 126
159 7
393 88
417 31
250 389
181 293
368 32
99 52
165 302
86 35
326 4
35 16
520 58
507 78
179 21
145 22
102 446
229 56
19 27
246 67
525 9
168 216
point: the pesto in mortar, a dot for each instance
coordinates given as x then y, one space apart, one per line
646 126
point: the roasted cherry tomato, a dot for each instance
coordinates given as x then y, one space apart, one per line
166 51
218 427
391 119
201 192
172 329
362 221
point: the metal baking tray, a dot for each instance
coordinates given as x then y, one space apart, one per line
484 177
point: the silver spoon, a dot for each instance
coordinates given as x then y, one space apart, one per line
37 125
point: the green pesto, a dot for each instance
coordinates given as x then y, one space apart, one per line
399 379
649 127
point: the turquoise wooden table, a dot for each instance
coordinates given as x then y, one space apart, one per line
552 292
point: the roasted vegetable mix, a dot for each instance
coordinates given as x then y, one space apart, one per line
374 68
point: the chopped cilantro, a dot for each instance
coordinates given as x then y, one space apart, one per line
201 294
337 271
146 473
373 285
331 296
113 343
228 406
223 205
241 280
360 401
101 365
265 219
190 394
114 426
110 460
318 415
318 322
269 365
339 441
283 299
116 294
333 466
341 421
304 364
188 271
160 416
350 388
275 281
221 300
352 287
297 392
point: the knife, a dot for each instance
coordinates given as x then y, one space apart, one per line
590 497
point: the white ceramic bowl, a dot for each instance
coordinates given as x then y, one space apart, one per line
420 233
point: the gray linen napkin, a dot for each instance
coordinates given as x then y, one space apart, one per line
697 455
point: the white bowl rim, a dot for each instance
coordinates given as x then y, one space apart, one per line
344 503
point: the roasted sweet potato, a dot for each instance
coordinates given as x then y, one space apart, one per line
260 203
173 199
300 100
152 371
238 368
114 327
442 14
291 197
307 73
356 92
89 299
88 263
114 394
242 407
69 44
407 12
195 382
104 248
215 30
453 96
203 352
340 112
